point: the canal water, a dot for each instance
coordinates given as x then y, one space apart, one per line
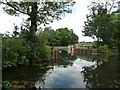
66 70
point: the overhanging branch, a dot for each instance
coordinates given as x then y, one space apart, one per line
15 8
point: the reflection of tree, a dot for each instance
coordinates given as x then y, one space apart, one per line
104 76
24 76
65 58
86 54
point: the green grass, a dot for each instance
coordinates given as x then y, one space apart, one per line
80 47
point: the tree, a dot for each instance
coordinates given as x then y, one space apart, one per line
32 49
38 12
66 36
51 36
100 24
116 17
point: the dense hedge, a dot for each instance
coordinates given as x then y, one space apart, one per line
17 51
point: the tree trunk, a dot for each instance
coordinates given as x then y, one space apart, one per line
33 26
33 18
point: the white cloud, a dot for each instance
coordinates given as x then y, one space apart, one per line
75 20
69 77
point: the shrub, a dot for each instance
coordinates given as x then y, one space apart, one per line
104 49
13 52
17 51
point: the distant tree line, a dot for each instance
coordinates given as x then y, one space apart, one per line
59 37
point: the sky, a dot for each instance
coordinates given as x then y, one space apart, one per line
73 21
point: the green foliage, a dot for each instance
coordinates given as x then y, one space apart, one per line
67 36
13 52
39 50
90 44
47 11
50 35
17 51
62 36
102 25
104 49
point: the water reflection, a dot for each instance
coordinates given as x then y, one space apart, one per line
105 75
64 59
66 77
68 71
90 72
22 77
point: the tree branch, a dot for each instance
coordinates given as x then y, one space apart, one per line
15 8
111 7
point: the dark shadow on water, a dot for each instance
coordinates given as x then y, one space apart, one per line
22 77
105 75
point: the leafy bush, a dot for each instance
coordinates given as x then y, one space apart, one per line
38 50
104 49
17 51
13 52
